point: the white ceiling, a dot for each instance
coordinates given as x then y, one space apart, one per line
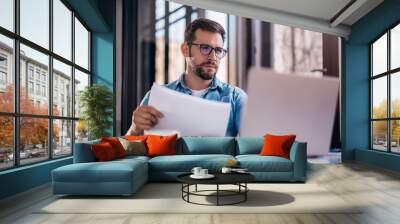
321 9
316 15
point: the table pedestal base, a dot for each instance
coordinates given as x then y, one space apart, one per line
241 191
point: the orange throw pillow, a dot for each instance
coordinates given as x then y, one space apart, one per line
103 152
161 145
116 145
136 137
275 145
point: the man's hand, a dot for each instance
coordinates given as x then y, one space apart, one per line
144 118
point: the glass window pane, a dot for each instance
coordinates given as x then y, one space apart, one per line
295 50
379 135
395 136
160 8
34 96
176 60
222 19
81 131
395 94
81 81
62 138
81 45
35 21
33 139
62 29
7 14
177 15
379 55
379 97
6 142
395 47
6 74
160 24
160 57
62 89
194 16
173 6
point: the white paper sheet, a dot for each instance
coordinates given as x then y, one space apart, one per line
188 115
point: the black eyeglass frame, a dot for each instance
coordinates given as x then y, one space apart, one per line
224 51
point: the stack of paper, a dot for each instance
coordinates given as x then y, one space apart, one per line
188 115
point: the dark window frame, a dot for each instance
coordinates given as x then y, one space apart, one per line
167 23
16 115
201 13
388 74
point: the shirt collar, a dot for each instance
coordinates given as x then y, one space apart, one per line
215 83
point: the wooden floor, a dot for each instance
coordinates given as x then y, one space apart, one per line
378 188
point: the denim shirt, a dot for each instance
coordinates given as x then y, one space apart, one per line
217 91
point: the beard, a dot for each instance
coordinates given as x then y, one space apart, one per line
201 70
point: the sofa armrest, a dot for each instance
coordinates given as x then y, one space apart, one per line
298 155
83 153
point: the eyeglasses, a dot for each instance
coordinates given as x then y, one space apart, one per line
206 50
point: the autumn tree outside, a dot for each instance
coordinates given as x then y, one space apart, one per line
34 131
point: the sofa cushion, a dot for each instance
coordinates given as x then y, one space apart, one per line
135 147
277 145
132 158
159 145
249 145
206 145
185 163
111 171
257 163
116 145
135 137
103 152
83 152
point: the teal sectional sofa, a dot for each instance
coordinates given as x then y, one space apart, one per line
125 176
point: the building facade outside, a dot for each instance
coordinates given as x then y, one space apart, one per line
34 90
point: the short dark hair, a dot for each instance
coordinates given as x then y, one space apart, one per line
203 24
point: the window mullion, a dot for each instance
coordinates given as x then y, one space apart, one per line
16 69
89 64
73 82
50 82
166 43
371 142
389 106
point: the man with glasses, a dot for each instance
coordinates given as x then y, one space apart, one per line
203 51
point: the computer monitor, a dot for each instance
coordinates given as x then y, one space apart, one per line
282 104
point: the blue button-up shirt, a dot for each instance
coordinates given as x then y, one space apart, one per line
218 91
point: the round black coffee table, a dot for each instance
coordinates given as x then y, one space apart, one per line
238 179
